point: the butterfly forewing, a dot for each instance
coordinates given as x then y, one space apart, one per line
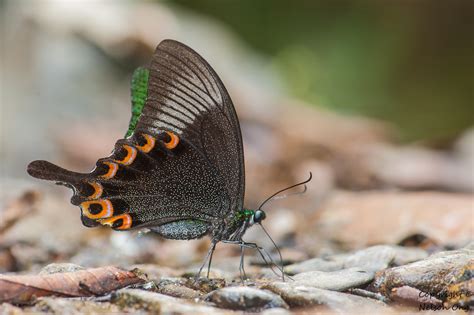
187 97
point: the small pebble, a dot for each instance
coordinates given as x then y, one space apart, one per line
245 298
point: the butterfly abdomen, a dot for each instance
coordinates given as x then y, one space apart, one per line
183 229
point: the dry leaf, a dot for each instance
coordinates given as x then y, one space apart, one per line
98 281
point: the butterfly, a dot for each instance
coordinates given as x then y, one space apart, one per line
179 171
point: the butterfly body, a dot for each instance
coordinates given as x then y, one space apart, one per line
180 169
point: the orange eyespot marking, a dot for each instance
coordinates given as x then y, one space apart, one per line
106 209
98 190
130 157
126 221
149 145
113 168
173 142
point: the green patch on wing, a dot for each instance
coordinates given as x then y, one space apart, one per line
139 95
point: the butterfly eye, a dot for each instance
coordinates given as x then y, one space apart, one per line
259 216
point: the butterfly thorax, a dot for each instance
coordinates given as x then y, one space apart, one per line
239 223
236 225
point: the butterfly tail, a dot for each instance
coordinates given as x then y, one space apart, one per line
49 171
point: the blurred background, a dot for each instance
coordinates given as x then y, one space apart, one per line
373 97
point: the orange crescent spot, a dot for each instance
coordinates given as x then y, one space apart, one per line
150 143
126 221
98 190
173 142
106 212
131 155
113 168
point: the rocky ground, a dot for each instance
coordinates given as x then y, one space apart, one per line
353 243
379 279
383 227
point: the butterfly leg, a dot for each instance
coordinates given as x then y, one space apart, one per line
243 275
213 247
262 251
208 257
242 245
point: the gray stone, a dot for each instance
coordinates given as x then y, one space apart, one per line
373 259
176 287
469 246
245 298
57 305
340 280
276 311
6 308
380 257
304 296
315 264
462 252
158 303
432 275
60 268
412 296
368 294
406 255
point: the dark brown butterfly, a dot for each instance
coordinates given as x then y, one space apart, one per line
180 170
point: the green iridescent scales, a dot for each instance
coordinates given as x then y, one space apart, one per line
244 214
139 95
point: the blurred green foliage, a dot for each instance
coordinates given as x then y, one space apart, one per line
408 62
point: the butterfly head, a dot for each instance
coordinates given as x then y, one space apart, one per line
258 216
251 217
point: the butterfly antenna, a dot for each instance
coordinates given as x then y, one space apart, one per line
291 194
271 263
278 250
288 188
